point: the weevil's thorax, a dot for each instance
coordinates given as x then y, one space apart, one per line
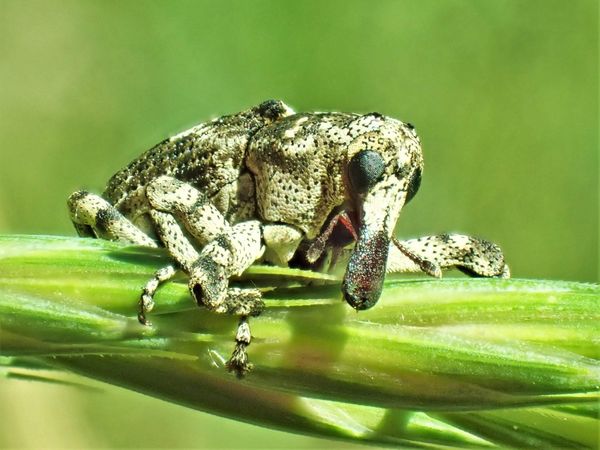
299 163
209 156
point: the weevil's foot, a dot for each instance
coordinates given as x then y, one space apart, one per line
238 363
430 268
143 320
146 304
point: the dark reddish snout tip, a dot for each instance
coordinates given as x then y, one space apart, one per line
360 298
364 277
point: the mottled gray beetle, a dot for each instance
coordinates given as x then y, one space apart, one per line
271 185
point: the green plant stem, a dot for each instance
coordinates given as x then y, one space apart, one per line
458 362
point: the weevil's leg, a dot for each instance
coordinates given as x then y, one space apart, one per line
338 233
476 257
243 302
229 250
173 238
229 254
197 213
320 243
209 273
178 247
146 303
93 216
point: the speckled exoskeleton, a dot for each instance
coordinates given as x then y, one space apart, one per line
271 185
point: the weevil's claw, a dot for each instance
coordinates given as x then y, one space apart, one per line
238 363
142 319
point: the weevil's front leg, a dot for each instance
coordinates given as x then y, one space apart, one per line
429 254
339 225
209 272
244 305
230 253
93 216
338 232
229 250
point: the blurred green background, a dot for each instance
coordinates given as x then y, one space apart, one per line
504 95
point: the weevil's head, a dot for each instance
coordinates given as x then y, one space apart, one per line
382 174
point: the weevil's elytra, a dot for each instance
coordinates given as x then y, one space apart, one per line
269 185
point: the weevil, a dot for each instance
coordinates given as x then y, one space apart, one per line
274 186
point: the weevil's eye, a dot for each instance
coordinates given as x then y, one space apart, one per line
413 185
365 170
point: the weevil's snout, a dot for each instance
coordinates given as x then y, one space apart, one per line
369 187
364 277
360 301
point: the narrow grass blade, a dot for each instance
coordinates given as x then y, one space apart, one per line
456 362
